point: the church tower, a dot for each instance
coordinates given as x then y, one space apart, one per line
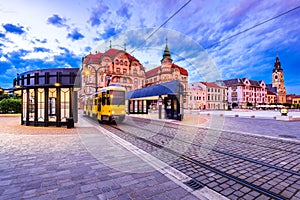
278 81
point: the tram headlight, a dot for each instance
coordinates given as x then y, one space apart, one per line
113 112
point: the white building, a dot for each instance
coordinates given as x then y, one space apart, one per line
243 92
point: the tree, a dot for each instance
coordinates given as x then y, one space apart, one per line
11 104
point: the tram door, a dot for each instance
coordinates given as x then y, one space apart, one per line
172 107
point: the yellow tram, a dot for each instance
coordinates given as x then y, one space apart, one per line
108 104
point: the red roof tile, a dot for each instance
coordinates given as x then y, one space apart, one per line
211 84
182 70
152 72
93 58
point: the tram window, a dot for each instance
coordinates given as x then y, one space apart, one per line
99 104
108 98
118 97
103 98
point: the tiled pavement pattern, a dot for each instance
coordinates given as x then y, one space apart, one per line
278 153
52 163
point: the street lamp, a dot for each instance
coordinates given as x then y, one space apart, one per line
88 73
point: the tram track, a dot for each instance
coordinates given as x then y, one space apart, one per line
278 141
193 160
223 151
201 164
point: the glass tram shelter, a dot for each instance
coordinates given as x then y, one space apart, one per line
48 96
166 97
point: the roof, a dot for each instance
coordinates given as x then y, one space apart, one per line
92 58
240 81
182 70
235 81
271 89
154 71
172 87
210 84
271 93
111 53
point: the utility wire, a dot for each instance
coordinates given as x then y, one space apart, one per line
248 29
151 34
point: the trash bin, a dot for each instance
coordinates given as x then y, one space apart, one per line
70 122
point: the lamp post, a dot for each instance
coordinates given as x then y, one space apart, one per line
87 72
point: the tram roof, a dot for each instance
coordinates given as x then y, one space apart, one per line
172 87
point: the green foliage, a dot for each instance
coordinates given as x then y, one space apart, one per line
11 104
287 105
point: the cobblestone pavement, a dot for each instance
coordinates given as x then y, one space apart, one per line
268 164
53 163
263 124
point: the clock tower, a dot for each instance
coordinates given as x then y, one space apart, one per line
278 81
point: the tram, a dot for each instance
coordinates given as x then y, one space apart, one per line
108 104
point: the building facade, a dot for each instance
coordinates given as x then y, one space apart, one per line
196 96
113 66
243 92
271 97
207 95
167 71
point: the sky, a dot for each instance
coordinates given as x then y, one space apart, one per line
213 40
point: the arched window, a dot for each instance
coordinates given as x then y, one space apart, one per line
117 62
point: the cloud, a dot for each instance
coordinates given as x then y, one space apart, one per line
41 41
124 11
75 35
10 28
41 49
2 35
57 21
97 12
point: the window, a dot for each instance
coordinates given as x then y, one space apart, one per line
124 71
117 62
125 63
121 62
124 80
118 70
134 72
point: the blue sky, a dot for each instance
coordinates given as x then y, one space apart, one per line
48 34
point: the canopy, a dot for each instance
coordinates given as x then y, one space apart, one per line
172 87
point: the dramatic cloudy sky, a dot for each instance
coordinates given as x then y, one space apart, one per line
48 34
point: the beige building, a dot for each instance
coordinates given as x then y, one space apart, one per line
196 96
166 72
207 95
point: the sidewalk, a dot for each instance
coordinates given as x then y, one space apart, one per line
83 163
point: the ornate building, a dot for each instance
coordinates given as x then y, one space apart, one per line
168 71
242 92
113 66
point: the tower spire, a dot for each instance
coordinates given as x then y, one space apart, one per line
166 51
167 54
